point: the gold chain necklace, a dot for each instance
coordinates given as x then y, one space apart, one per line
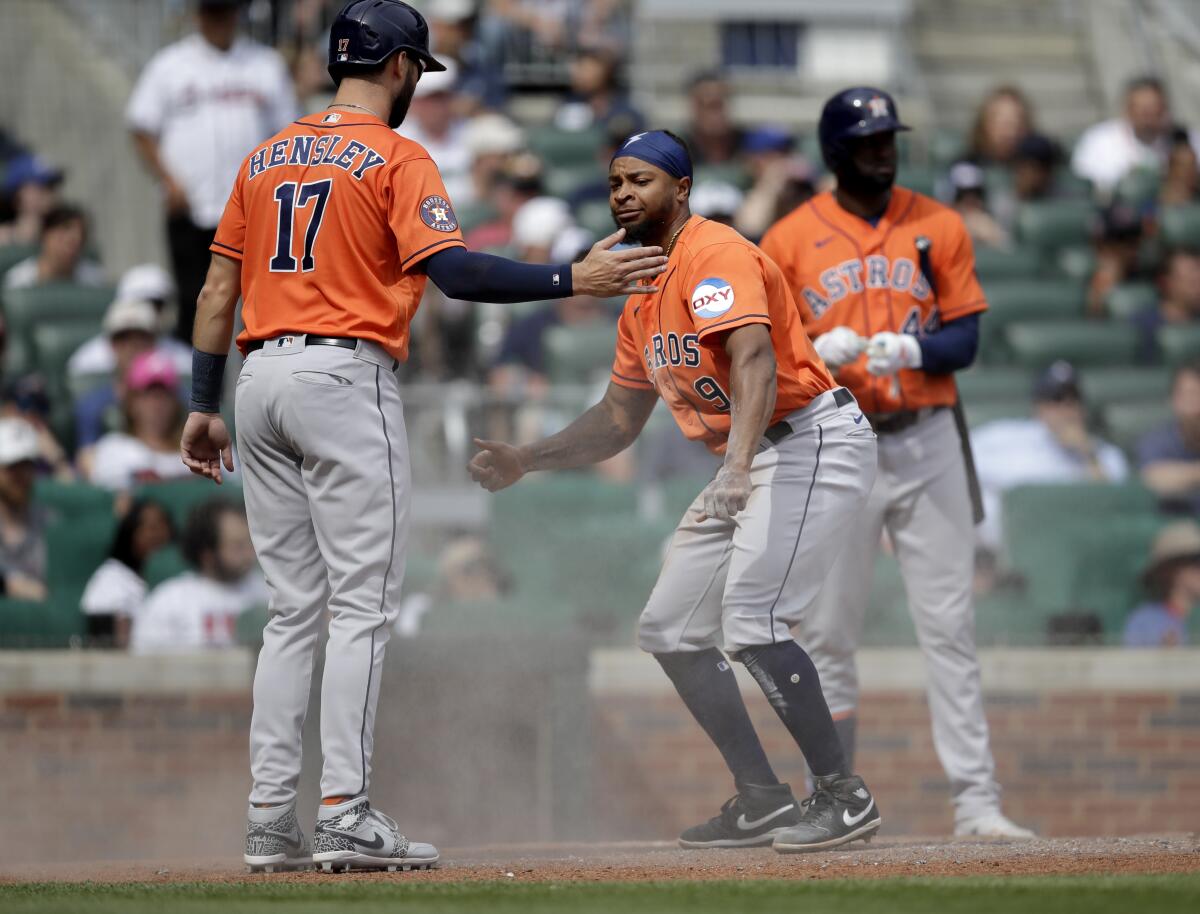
674 238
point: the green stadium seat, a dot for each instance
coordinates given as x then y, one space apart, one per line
1038 343
473 215
1179 226
556 146
26 625
580 354
983 384
73 499
1126 423
983 412
560 496
1139 188
920 178
1033 299
887 622
1130 298
1006 263
1076 262
13 254
1055 224
564 180
730 173
596 217
180 496
54 344
1108 562
1179 343
1122 384
1072 185
41 305
945 146
76 547
163 564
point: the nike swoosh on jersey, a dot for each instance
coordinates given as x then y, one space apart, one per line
745 825
369 845
822 242
854 820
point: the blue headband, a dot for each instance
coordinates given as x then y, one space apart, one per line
658 149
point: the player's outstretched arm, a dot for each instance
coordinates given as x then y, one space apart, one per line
752 392
602 432
473 276
205 444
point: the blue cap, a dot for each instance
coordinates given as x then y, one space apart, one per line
29 169
659 149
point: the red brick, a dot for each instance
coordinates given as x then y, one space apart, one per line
33 701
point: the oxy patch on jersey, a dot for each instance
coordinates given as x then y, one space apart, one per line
712 297
437 213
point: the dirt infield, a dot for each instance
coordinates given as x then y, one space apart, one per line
665 862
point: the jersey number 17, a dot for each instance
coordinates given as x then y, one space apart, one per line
290 197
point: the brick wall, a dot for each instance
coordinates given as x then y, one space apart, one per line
1070 763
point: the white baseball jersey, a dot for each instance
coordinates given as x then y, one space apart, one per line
209 108
192 612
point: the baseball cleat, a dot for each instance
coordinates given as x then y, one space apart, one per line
840 810
274 841
992 825
750 819
353 836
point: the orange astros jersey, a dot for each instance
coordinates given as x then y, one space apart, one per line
331 219
845 272
671 341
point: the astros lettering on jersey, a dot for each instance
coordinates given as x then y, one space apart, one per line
336 169
670 341
845 272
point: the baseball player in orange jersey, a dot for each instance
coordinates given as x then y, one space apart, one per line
885 281
721 342
329 234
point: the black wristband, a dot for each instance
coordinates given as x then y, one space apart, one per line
208 371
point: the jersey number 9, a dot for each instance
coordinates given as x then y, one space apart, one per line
710 390
290 197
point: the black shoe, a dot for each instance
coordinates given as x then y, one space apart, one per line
839 811
750 819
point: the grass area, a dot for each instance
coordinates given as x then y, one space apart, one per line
1029 895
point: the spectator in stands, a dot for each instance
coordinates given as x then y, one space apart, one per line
769 165
1117 240
467 572
1034 167
538 225
199 609
1054 446
596 98
512 188
26 398
149 450
22 520
719 201
452 25
31 189
436 125
61 254
1181 183
1172 582
130 329
149 284
116 589
1169 456
1179 282
1140 138
492 140
711 135
197 109
970 202
520 369
1004 118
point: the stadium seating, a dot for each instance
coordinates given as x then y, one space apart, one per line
13 254
1125 423
596 217
1180 226
1013 300
558 147
731 173
580 354
1139 188
1038 343
1006 263
1107 561
1128 299
57 623
1055 224
163 564
1179 343
994 383
180 496
564 180
53 303
68 500
76 547
1124 383
1076 262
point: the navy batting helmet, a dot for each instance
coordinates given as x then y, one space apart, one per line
852 113
368 32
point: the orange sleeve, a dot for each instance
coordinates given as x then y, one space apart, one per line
725 289
230 239
419 212
629 367
958 289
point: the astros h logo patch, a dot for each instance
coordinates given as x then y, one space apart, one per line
437 213
712 297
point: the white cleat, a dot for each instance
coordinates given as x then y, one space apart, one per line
274 841
992 825
352 835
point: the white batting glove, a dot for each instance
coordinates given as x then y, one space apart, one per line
839 346
888 352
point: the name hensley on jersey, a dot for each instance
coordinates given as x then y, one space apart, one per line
316 150
847 277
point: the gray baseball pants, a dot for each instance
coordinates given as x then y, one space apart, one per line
921 499
320 432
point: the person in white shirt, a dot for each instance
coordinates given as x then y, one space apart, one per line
149 450
1139 138
60 256
115 591
199 610
1054 446
441 130
149 284
198 108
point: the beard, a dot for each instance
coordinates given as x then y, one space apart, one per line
400 105
858 184
645 229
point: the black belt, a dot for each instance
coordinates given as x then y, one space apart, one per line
782 429
894 423
342 342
